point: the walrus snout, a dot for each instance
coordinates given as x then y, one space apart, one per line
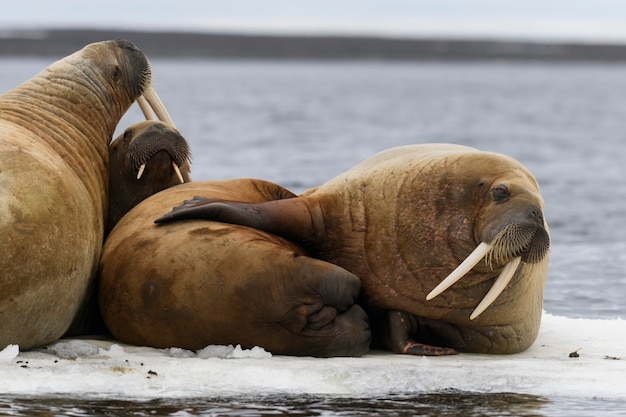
524 235
159 139
141 76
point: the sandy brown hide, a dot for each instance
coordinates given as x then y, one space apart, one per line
54 133
196 283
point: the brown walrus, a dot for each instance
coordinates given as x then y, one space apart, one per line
201 283
146 158
54 133
402 221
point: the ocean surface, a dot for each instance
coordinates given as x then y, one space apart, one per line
300 123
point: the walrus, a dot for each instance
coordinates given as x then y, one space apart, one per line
402 221
54 133
146 158
200 283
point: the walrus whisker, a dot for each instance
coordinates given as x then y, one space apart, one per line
498 286
472 259
141 169
147 111
157 105
177 171
512 241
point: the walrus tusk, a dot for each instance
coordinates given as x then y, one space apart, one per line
498 286
178 174
460 271
176 170
153 109
147 111
140 172
156 105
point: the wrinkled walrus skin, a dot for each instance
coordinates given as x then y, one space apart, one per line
54 133
200 283
402 221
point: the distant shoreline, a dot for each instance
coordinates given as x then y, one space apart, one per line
62 42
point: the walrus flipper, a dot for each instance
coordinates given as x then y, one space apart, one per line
207 208
399 331
327 322
288 217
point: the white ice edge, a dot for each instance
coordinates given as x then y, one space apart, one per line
109 369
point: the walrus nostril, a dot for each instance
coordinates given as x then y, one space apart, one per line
154 128
157 127
535 215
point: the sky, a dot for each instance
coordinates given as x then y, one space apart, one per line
549 20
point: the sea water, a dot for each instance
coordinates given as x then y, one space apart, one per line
300 123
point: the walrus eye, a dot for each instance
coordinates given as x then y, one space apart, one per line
128 133
117 73
500 193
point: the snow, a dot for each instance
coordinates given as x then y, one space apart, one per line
105 368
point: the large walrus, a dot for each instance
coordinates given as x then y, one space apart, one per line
403 221
54 134
201 283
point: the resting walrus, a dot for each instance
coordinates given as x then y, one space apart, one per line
54 133
402 221
203 283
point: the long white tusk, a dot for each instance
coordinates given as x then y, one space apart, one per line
157 105
497 287
147 111
460 271
140 172
177 171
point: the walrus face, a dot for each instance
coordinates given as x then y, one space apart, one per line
156 142
128 67
138 81
516 227
511 229
148 157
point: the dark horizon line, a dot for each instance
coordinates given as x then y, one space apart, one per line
195 44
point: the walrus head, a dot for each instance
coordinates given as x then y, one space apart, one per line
511 230
129 67
148 157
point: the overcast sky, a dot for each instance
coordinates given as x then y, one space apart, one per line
573 20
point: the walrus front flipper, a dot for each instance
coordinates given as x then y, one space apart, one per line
289 217
197 208
234 211
398 332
